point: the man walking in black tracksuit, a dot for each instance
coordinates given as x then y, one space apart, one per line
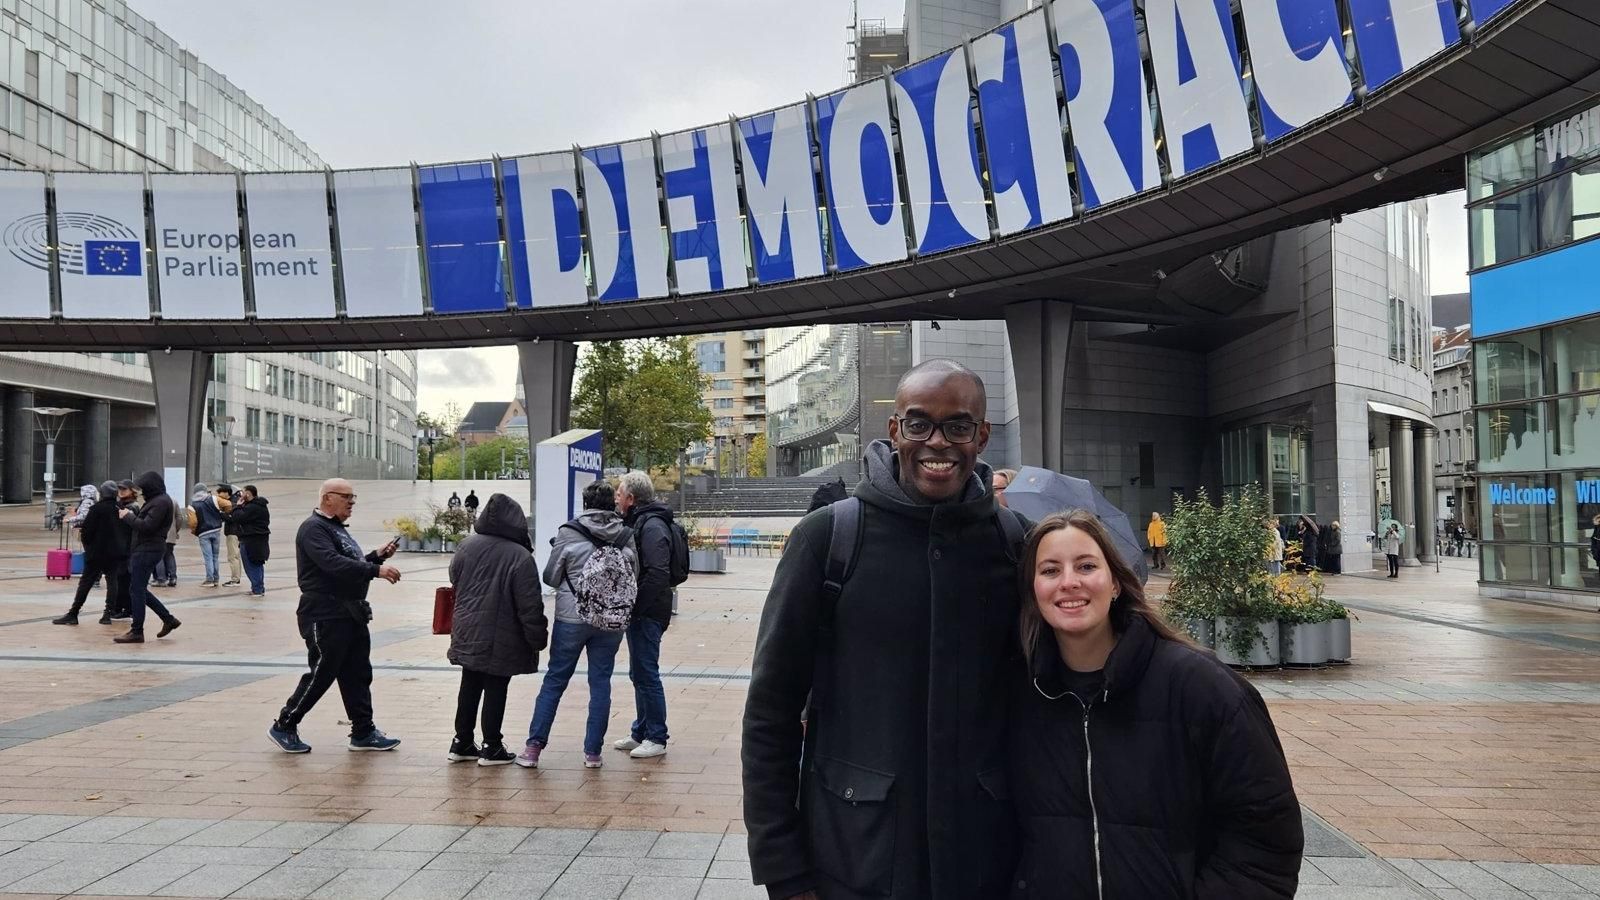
151 523
334 576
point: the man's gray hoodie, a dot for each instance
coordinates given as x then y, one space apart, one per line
572 549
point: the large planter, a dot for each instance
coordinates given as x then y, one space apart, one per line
1339 640
1304 644
1204 631
410 545
449 546
1264 648
432 545
707 561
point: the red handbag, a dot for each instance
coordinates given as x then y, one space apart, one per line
444 609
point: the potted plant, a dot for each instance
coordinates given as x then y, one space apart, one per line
408 530
432 539
1192 616
1247 635
1338 619
1218 554
1302 619
704 554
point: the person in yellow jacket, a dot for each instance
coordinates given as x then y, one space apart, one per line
1156 534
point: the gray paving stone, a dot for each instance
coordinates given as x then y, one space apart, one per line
556 841
361 884
359 836
587 887
1465 875
638 865
229 833
730 889
491 839
512 886
452 861
657 887
231 856
736 869
57 851
8 818
14 868
1529 877
218 880
1356 872
287 882
1419 873
8 846
1586 877
686 845
734 846
37 828
435 885
391 860
164 831
99 829
1321 892
621 843
1310 874
293 835
63 877
425 837
140 878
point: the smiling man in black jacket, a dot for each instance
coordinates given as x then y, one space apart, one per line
334 576
895 785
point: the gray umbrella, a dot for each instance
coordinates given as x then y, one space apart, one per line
1037 493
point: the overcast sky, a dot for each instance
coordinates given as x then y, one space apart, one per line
383 83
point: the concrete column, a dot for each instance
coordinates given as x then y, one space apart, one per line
547 369
1426 499
1402 485
1041 336
181 378
97 442
16 480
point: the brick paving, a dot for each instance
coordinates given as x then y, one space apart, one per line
1454 759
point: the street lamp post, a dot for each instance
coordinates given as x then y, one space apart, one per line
338 445
227 431
50 420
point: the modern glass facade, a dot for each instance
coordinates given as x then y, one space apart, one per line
1534 209
1276 457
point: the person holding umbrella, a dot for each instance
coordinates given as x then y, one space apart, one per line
1141 765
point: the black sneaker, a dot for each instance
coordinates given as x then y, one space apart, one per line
374 740
287 739
105 619
68 619
495 755
168 626
462 751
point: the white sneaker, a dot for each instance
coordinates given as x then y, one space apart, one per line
648 749
626 744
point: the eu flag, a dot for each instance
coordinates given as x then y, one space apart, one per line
112 258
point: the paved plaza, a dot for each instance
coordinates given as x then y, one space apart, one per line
1456 758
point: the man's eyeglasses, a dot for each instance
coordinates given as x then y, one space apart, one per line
956 431
350 497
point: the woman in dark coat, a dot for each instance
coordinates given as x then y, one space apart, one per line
1141 766
1333 548
499 625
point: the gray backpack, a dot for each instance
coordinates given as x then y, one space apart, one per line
607 586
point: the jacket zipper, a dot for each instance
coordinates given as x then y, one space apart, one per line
1094 813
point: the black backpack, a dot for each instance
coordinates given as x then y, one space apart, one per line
678 569
846 537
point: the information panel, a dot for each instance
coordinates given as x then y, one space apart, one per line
291 260
100 235
378 242
24 246
199 268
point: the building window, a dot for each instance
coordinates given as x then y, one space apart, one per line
108 117
288 430
713 356
252 423
141 141
30 78
172 147
272 380
252 374
72 97
272 427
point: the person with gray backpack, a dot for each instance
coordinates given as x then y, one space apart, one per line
594 569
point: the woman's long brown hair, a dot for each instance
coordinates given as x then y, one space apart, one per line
1130 601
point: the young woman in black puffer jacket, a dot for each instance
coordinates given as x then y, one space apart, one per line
1142 767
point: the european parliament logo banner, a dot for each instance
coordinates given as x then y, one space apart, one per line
1103 79
100 235
546 229
701 184
291 255
200 270
944 185
378 242
780 193
24 246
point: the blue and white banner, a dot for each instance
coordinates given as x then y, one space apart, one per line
378 254
625 235
1204 115
461 224
291 254
546 229
199 268
1297 53
100 229
701 184
861 177
1022 125
948 204
1395 36
1103 78
781 195
24 246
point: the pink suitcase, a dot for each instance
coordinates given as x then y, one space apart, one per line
58 564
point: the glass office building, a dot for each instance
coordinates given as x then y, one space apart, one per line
1534 212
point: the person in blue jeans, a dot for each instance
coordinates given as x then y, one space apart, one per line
253 523
651 521
208 531
598 526
150 523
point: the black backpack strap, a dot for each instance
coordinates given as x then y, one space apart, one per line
1011 532
585 532
622 539
842 542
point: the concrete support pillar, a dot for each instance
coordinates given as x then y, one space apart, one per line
16 480
97 442
547 370
1041 336
1402 485
1427 502
181 378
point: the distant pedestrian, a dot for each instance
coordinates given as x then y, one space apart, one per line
1391 549
1306 534
1333 548
1156 534
227 498
127 498
207 530
152 525
1594 541
1275 549
105 555
454 502
166 571
574 570
825 494
651 521
252 522
471 503
334 576
1002 480
88 495
499 625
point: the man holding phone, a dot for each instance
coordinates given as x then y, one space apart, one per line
334 576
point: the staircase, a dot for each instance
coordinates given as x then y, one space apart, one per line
754 497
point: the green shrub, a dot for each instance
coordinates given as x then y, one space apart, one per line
1218 553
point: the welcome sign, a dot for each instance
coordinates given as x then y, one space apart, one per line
1040 121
